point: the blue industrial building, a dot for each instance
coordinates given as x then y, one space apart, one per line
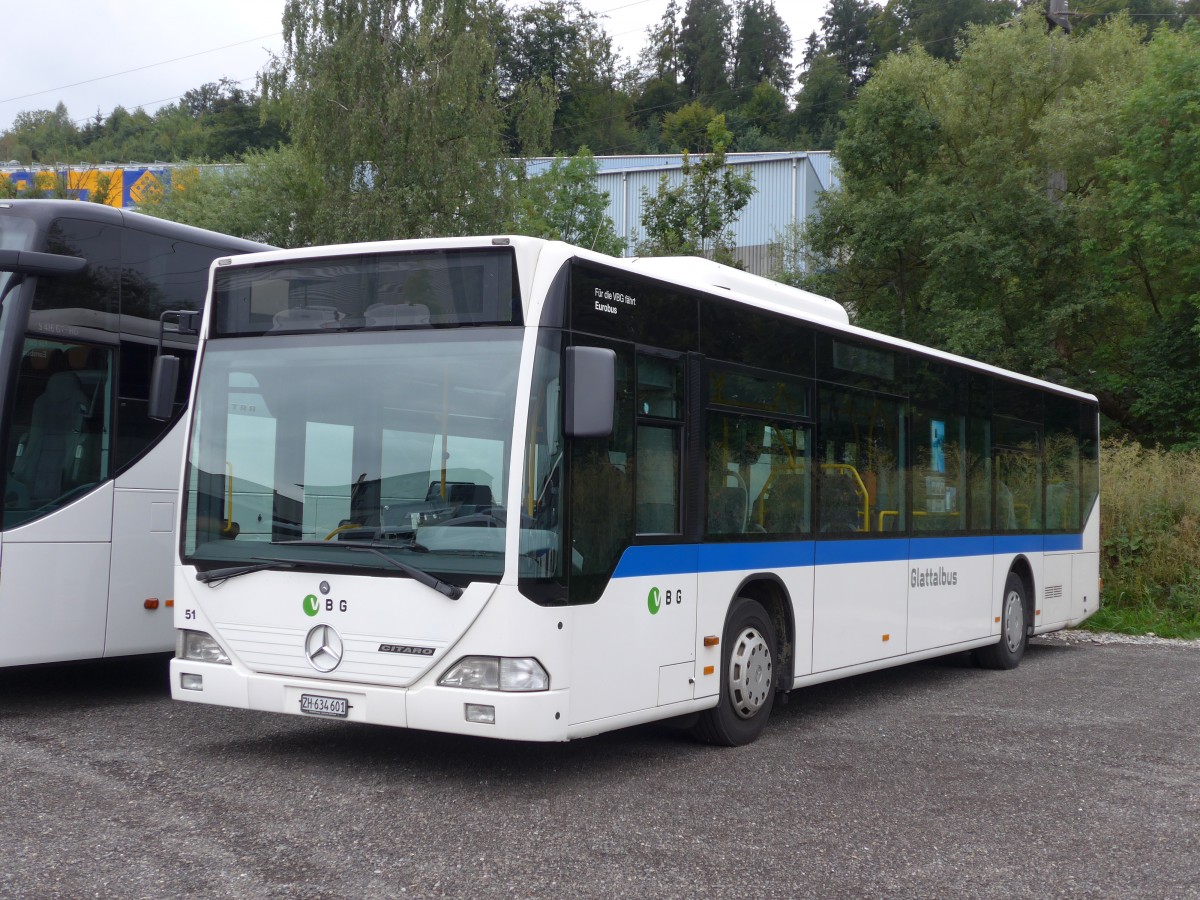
786 185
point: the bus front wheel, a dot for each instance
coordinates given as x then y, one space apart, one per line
1014 636
747 678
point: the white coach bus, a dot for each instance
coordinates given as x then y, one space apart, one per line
89 481
512 488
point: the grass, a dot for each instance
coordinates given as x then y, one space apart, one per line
1150 541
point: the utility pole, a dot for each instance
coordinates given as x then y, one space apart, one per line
1058 16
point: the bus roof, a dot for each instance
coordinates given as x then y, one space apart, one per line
697 273
43 211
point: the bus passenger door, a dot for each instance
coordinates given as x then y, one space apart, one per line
635 642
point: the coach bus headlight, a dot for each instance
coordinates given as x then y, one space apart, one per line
497 673
198 646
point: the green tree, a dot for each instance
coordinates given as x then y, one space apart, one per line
563 204
761 50
704 50
273 197
125 135
961 223
1143 220
825 92
660 56
846 36
694 218
765 112
412 91
41 136
689 128
1151 14
937 27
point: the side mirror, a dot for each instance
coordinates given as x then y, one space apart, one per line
164 381
591 390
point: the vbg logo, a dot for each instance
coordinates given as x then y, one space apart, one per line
654 601
657 599
312 605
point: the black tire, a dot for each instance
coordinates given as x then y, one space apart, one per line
1006 653
747 678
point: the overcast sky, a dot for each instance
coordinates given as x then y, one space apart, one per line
99 54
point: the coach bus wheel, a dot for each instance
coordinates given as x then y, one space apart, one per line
1007 652
747 678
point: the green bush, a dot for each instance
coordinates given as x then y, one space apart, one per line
1150 540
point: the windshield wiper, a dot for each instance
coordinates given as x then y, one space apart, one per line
267 562
450 590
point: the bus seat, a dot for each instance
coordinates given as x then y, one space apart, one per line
55 435
840 507
465 496
302 318
469 497
1006 510
727 511
784 507
77 357
397 314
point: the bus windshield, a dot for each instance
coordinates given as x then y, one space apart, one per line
16 233
305 446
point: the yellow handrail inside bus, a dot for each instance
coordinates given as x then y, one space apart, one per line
860 490
227 528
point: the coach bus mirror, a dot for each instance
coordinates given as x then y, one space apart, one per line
28 262
591 388
164 380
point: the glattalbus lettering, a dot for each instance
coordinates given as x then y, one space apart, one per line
938 577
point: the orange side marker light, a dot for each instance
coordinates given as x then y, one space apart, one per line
708 670
151 603
711 640
886 638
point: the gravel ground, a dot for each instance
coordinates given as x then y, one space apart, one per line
1107 637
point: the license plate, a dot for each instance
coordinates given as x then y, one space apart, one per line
316 705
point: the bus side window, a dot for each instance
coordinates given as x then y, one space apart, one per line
136 431
660 398
59 444
861 447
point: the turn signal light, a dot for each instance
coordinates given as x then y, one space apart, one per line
151 603
708 670
711 640
886 638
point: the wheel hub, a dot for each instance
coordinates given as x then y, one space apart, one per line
750 673
1014 621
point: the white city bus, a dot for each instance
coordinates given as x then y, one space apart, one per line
90 482
512 488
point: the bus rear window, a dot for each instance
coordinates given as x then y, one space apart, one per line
379 291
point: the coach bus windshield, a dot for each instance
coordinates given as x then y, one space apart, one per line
308 447
16 233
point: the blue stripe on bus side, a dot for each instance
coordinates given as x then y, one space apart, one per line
676 559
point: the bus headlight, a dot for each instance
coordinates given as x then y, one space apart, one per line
200 647
497 673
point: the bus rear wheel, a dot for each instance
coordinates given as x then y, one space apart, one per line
747 678
1007 652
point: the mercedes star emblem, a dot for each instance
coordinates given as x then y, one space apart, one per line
323 647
